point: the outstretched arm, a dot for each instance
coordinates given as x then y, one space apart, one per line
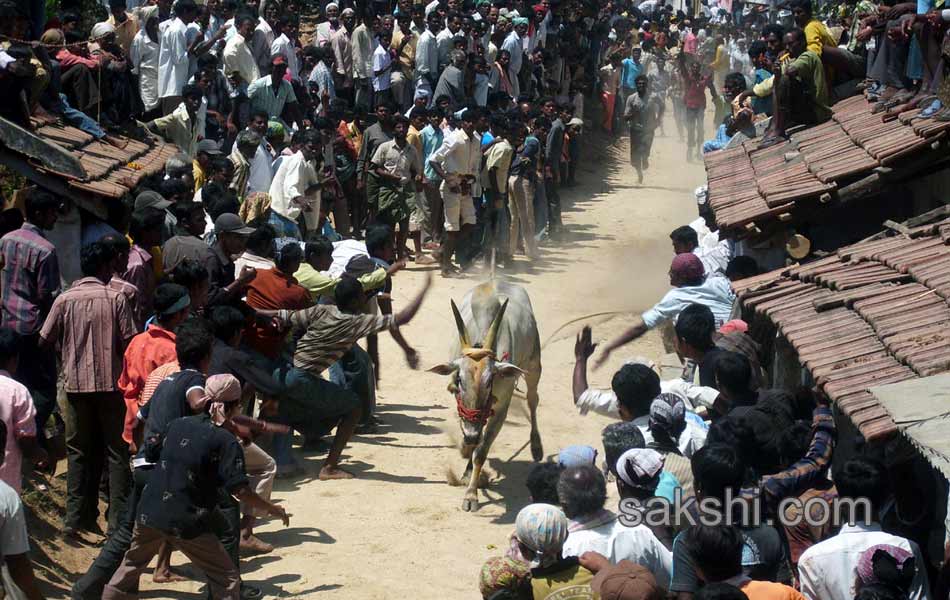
406 314
635 331
583 350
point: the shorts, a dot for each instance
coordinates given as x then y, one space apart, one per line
458 208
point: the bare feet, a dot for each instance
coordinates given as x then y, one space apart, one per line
168 576
328 473
254 545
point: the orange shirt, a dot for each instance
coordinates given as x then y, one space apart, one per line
273 290
767 590
153 347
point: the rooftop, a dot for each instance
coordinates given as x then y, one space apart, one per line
70 162
854 155
873 313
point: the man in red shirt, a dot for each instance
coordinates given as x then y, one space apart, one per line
276 289
150 349
695 83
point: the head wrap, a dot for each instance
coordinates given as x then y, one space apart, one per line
668 415
576 456
347 11
503 573
331 4
638 467
53 37
887 564
101 29
542 528
519 21
687 267
219 390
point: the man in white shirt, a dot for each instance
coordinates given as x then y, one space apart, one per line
427 55
690 285
382 70
827 569
582 494
173 56
362 45
457 162
292 191
634 387
714 253
514 44
283 46
446 36
237 55
263 37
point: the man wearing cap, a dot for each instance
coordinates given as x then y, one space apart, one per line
325 30
273 94
622 581
150 349
515 47
231 234
690 285
201 165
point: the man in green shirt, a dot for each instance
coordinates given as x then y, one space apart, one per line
318 256
801 94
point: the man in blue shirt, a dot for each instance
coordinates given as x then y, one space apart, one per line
432 137
631 69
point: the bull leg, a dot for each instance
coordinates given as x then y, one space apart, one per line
537 450
470 501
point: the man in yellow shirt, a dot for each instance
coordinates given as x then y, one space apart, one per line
840 64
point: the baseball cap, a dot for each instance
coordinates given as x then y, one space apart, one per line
150 199
231 223
625 581
208 147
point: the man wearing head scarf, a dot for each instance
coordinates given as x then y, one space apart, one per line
690 285
197 457
325 30
503 573
541 530
666 424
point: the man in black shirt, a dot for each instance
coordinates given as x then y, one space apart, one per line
695 327
198 460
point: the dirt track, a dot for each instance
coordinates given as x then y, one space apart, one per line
397 531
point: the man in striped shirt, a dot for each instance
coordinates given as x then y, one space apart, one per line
30 280
313 405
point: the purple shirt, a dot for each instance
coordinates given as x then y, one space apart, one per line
29 280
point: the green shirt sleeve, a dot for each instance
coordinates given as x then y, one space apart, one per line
374 280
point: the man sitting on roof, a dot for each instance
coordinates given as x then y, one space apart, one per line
800 91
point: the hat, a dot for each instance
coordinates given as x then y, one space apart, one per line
798 246
171 298
347 12
231 223
637 466
519 21
208 147
101 30
150 199
331 5
625 581
278 60
576 122
53 37
667 414
687 267
577 456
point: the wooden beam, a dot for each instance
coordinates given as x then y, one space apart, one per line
861 188
898 227
93 204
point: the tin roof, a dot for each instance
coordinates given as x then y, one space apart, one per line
751 188
873 313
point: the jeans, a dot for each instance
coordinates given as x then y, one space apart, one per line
554 204
94 424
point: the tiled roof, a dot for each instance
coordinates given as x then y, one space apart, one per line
873 313
110 171
749 188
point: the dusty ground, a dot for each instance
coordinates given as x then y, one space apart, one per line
397 531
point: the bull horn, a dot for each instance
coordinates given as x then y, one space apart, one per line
460 324
491 339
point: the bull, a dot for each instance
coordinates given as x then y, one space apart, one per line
498 342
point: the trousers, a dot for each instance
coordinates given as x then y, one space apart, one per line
520 204
94 424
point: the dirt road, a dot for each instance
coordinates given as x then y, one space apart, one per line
397 531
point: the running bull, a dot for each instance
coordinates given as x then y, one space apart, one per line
498 342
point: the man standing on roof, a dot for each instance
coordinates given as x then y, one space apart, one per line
690 285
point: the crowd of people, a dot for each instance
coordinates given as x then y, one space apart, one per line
220 306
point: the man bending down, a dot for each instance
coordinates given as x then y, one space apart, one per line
313 405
